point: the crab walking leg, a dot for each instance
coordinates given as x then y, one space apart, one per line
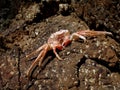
54 50
92 33
36 51
47 48
83 33
38 59
76 36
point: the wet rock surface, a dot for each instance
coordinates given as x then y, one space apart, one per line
90 65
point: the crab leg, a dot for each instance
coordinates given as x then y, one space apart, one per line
76 36
54 50
35 52
81 34
93 33
39 59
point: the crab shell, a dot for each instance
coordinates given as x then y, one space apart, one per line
59 39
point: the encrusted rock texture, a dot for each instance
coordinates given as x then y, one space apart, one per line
90 65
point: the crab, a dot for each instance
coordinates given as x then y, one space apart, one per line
60 40
57 40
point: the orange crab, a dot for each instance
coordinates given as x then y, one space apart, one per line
59 40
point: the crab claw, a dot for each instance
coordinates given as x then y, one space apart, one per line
87 33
